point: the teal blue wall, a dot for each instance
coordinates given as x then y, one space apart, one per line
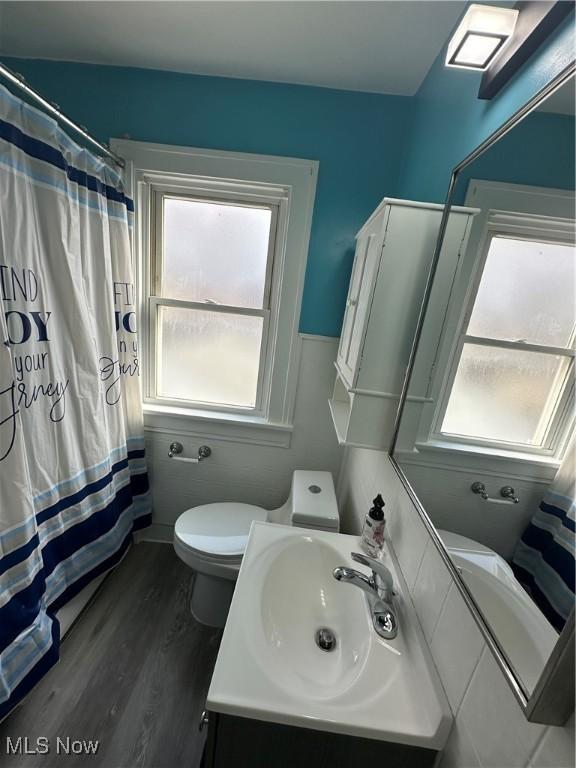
355 137
450 121
540 151
369 145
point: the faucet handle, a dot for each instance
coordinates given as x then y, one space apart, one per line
380 573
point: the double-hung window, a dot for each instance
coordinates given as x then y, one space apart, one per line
511 381
210 301
221 242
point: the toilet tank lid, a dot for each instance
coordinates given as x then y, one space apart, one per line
314 500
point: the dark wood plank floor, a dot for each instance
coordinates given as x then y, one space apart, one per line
134 673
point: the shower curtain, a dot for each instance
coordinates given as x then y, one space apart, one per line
545 557
73 482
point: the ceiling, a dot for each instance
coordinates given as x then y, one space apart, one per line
381 47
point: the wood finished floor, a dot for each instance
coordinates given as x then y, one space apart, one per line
134 673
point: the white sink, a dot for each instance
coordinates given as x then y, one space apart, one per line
299 596
523 632
270 668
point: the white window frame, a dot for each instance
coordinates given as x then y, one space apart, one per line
288 187
514 208
239 195
519 227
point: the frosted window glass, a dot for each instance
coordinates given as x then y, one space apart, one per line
527 293
215 252
503 394
209 357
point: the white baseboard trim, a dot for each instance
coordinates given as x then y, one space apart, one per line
160 533
68 614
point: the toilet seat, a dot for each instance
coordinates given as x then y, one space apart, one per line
457 541
211 539
218 532
472 551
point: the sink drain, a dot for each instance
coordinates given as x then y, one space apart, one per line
325 639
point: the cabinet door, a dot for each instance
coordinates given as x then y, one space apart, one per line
366 260
405 261
352 304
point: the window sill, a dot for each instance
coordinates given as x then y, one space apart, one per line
475 458
233 427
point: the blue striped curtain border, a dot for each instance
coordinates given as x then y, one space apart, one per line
45 122
40 150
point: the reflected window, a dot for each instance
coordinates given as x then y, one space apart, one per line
211 300
512 381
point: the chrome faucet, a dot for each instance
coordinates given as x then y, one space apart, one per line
379 589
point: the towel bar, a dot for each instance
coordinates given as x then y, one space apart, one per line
177 448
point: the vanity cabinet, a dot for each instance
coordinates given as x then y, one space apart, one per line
239 742
394 250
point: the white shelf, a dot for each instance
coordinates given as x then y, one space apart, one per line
340 416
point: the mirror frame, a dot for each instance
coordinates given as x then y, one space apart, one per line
552 700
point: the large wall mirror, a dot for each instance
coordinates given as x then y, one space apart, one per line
485 438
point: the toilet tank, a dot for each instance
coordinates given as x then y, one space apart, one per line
312 501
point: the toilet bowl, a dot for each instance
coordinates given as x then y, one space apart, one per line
211 538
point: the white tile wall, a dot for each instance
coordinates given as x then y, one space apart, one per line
430 589
459 752
410 539
456 646
500 733
489 729
556 748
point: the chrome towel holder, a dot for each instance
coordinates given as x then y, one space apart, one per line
507 494
177 448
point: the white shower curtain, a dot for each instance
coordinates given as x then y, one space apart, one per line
545 557
73 482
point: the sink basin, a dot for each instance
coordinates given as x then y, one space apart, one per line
302 566
269 666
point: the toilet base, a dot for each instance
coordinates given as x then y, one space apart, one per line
211 598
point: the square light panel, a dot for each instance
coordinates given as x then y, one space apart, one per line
480 36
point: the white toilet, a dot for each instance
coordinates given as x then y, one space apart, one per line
211 538
461 547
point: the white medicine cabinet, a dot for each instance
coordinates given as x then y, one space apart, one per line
394 250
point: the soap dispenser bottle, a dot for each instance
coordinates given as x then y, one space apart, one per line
373 530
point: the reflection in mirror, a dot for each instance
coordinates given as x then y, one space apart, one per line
487 433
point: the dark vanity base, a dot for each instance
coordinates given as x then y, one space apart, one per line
238 742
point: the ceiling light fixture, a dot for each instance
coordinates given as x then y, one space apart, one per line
480 36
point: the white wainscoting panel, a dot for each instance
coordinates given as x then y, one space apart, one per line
452 505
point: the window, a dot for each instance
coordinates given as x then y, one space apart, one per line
210 305
221 242
511 381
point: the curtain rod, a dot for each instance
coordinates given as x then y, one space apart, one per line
54 110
